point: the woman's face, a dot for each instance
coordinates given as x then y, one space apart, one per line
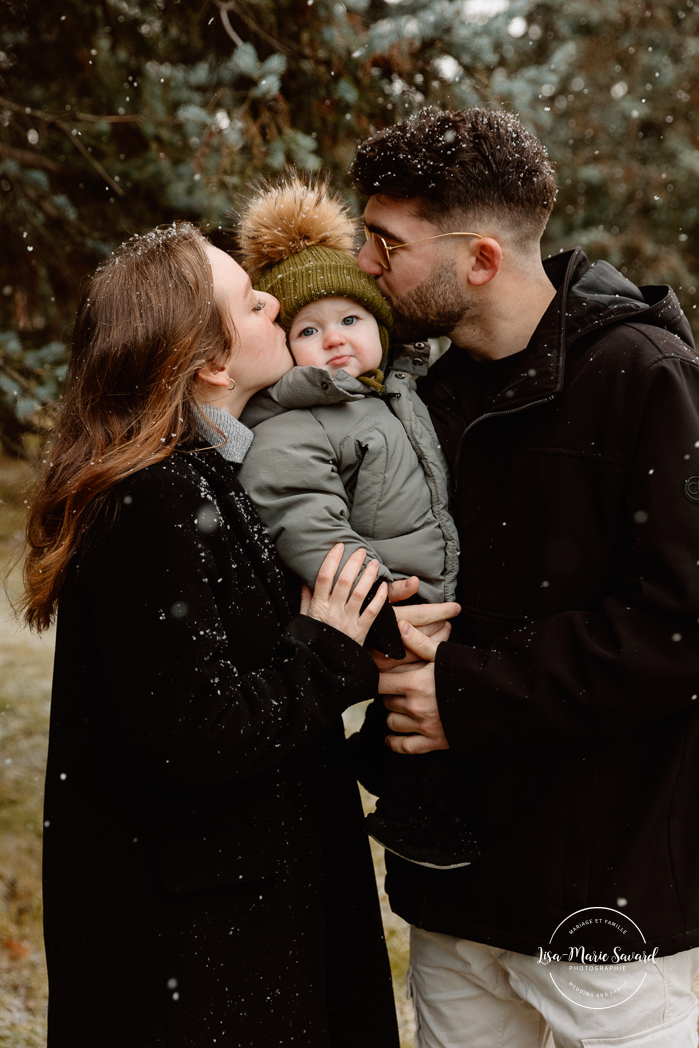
260 355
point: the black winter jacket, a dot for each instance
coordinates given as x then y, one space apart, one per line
207 879
571 691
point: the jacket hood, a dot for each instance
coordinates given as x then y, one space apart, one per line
588 297
599 294
302 387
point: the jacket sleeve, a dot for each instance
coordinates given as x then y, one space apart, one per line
368 750
578 675
298 492
182 692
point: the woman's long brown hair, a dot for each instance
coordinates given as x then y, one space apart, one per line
145 326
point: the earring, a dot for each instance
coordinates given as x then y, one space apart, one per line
232 385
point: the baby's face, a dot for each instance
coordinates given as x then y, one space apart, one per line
336 334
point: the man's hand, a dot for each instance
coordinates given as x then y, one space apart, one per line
431 618
412 699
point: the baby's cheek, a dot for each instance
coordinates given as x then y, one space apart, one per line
304 355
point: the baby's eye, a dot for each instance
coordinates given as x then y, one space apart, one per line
307 332
260 306
348 321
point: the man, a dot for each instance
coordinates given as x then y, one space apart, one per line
568 407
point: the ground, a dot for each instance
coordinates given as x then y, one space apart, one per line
25 685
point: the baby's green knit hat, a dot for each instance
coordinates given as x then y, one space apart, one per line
296 238
323 272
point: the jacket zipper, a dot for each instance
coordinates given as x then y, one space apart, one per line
490 414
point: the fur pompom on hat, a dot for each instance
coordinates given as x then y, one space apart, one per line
296 238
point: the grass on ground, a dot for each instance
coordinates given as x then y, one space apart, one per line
25 684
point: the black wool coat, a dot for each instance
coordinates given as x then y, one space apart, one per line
207 879
570 693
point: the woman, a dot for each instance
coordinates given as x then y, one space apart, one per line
206 878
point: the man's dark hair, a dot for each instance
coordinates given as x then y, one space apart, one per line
472 161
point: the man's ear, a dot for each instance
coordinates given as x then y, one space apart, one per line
214 375
486 260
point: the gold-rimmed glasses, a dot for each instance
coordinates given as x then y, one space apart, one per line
383 250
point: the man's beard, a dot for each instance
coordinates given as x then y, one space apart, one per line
431 309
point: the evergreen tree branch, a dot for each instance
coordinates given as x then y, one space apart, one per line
11 432
72 134
28 158
225 6
21 381
223 11
126 118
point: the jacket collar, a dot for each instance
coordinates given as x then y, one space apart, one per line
588 297
303 387
215 424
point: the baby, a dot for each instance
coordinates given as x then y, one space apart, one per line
343 454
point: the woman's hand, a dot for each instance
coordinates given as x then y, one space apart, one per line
340 605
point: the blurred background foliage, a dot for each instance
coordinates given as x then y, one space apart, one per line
117 115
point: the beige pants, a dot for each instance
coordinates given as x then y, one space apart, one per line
468 995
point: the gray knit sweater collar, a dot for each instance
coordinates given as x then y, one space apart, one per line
238 437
